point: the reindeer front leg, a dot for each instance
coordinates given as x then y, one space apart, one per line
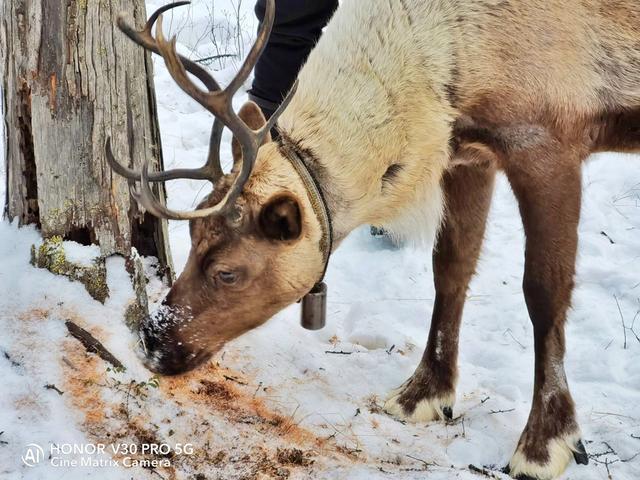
430 393
547 186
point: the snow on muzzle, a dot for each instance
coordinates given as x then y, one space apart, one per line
163 348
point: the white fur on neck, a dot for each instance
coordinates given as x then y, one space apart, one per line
372 96
418 225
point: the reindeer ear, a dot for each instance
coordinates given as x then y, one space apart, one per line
250 114
280 218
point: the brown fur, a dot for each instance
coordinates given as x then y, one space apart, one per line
538 132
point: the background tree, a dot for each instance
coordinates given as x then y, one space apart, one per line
70 79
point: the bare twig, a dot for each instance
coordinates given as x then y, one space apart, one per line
233 379
612 414
68 363
51 386
604 234
126 407
11 360
510 333
215 57
493 412
257 388
481 471
424 462
624 327
91 344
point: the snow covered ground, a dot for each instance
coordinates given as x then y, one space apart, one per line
278 387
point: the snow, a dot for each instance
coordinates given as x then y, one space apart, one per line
380 299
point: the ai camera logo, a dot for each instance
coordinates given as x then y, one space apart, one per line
33 455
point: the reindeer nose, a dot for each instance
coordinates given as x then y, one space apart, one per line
166 356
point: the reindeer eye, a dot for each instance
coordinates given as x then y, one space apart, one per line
228 278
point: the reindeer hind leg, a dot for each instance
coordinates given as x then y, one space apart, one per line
547 184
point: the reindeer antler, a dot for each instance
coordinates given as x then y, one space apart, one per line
217 101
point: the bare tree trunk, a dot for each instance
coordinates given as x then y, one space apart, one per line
70 79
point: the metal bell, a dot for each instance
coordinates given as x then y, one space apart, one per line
313 315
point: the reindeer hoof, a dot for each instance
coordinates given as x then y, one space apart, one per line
580 454
407 404
559 451
507 470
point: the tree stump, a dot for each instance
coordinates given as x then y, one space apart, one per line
70 80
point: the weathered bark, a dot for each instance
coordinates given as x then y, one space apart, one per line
70 79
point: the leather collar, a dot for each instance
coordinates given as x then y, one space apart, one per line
297 156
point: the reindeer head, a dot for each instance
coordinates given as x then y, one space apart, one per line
256 241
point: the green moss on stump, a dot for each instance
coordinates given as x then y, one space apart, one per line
51 256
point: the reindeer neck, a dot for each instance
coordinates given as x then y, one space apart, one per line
370 107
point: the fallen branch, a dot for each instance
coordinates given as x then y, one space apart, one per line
92 344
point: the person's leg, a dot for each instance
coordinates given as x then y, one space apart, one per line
297 27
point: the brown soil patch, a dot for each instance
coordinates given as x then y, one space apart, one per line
82 374
33 314
210 386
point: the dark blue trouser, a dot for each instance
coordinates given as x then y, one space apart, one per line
296 29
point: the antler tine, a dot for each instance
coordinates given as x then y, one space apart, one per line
213 165
146 198
248 161
207 172
212 170
216 101
281 108
145 39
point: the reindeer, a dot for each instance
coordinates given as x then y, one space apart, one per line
403 114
